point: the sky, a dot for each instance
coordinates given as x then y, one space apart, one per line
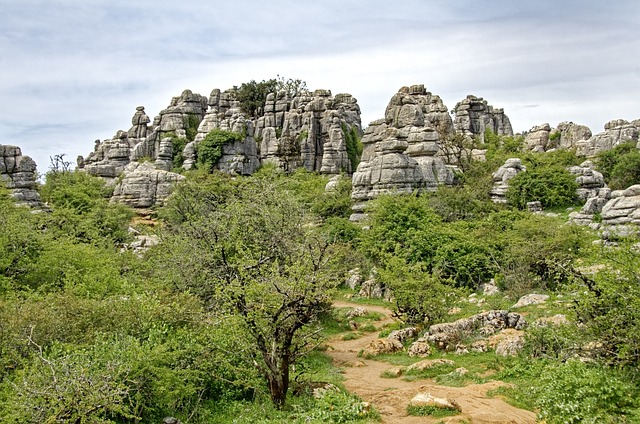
73 71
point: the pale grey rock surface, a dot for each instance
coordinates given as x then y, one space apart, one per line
615 132
400 151
18 173
446 335
566 135
531 299
501 177
144 186
474 115
590 182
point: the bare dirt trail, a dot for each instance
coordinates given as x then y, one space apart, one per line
391 396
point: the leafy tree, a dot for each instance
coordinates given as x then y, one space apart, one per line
609 305
255 258
420 297
252 96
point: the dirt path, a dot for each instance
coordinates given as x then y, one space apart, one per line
391 396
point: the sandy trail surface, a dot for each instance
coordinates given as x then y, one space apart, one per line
390 396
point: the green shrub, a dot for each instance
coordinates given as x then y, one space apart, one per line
575 392
354 145
619 166
419 296
551 185
209 150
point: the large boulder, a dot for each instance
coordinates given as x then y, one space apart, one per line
143 186
473 116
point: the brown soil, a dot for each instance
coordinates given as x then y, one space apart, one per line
390 397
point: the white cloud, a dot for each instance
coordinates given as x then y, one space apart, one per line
72 71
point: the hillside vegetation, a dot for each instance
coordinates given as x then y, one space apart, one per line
227 318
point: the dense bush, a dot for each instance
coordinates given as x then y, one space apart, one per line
620 166
551 185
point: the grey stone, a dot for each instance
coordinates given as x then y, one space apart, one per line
18 173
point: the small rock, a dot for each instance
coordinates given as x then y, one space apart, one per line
490 288
394 372
403 334
429 363
510 346
380 346
356 312
531 299
420 348
353 325
426 399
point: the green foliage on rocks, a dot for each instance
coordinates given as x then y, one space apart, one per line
252 95
209 150
354 145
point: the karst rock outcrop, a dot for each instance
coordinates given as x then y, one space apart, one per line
18 173
566 135
400 151
473 116
616 132
143 185
311 130
501 177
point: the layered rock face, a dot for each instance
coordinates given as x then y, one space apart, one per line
310 130
18 173
142 141
615 132
590 182
400 151
566 135
501 177
144 186
474 115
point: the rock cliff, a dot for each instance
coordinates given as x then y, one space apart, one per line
474 115
18 173
311 130
400 150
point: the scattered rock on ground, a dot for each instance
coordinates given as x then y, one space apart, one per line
381 346
531 299
426 399
420 347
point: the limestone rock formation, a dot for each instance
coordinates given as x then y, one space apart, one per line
615 132
310 130
224 113
18 173
474 115
400 151
623 211
590 182
144 186
566 135
537 138
501 177
447 335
